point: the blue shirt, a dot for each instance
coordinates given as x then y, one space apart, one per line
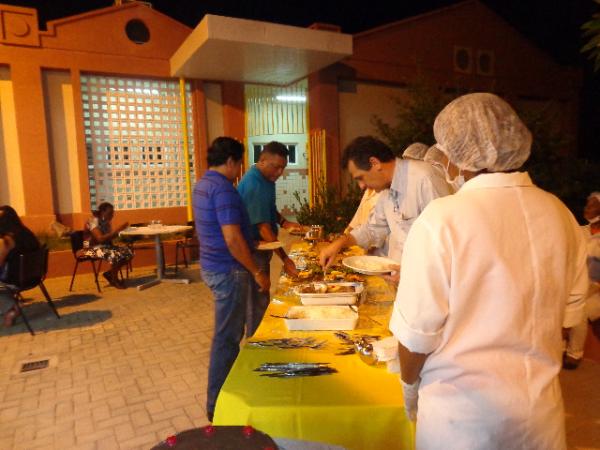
217 203
258 195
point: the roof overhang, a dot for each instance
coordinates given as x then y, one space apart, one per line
230 49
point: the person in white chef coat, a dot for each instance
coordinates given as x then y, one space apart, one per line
416 150
489 277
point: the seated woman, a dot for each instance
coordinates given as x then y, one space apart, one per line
15 238
101 235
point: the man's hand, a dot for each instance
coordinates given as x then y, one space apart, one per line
328 254
263 281
292 226
393 279
289 267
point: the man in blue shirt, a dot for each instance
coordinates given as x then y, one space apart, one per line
228 268
257 188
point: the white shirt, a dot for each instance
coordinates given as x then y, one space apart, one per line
367 203
414 185
489 276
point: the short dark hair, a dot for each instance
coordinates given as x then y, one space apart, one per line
223 148
364 147
276 148
103 207
10 222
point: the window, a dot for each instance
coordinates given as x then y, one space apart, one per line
463 59
129 143
485 62
292 155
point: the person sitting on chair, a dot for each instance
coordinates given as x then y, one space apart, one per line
15 238
101 235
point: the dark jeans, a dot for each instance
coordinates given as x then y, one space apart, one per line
257 304
231 291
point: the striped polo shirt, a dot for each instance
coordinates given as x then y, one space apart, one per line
216 203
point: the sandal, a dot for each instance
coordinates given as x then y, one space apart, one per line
10 316
114 283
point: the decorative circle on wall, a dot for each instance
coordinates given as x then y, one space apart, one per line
137 31
19 27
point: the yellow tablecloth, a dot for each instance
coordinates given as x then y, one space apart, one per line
360 407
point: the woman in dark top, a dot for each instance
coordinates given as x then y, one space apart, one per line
15 238
101 235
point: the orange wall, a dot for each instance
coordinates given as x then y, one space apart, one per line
74 45
423 46
323 104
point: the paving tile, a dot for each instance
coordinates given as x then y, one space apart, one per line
132 369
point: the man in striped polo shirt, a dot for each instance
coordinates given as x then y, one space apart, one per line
226 245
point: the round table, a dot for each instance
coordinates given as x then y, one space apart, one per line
156 231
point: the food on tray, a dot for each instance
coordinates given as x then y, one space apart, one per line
323 288
320 312
304 274
354 277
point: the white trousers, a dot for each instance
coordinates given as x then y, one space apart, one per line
578 333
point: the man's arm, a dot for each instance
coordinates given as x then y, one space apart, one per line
266 234
411 363
286 224
239 250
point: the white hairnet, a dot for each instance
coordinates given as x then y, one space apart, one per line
435 155
415 150
482 132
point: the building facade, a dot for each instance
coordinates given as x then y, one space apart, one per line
90 110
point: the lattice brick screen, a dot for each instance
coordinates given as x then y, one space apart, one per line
134 141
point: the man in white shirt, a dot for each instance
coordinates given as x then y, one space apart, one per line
411 186
489 277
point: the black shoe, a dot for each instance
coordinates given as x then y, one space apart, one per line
111 281
570 363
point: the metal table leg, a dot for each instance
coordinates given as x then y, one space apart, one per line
159 269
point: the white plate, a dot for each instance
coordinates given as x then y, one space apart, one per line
269 245
371 265
321 318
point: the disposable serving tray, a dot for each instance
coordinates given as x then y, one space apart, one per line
312 318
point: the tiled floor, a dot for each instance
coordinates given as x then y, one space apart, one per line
129 368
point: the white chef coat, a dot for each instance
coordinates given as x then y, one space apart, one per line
367 203
489 276
414 185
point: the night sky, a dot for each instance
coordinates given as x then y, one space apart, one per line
554 26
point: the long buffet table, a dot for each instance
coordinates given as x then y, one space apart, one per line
360 407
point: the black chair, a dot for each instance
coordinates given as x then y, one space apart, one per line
76 248
189 241
33 267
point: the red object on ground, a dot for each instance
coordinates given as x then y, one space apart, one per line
171 441
248 431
